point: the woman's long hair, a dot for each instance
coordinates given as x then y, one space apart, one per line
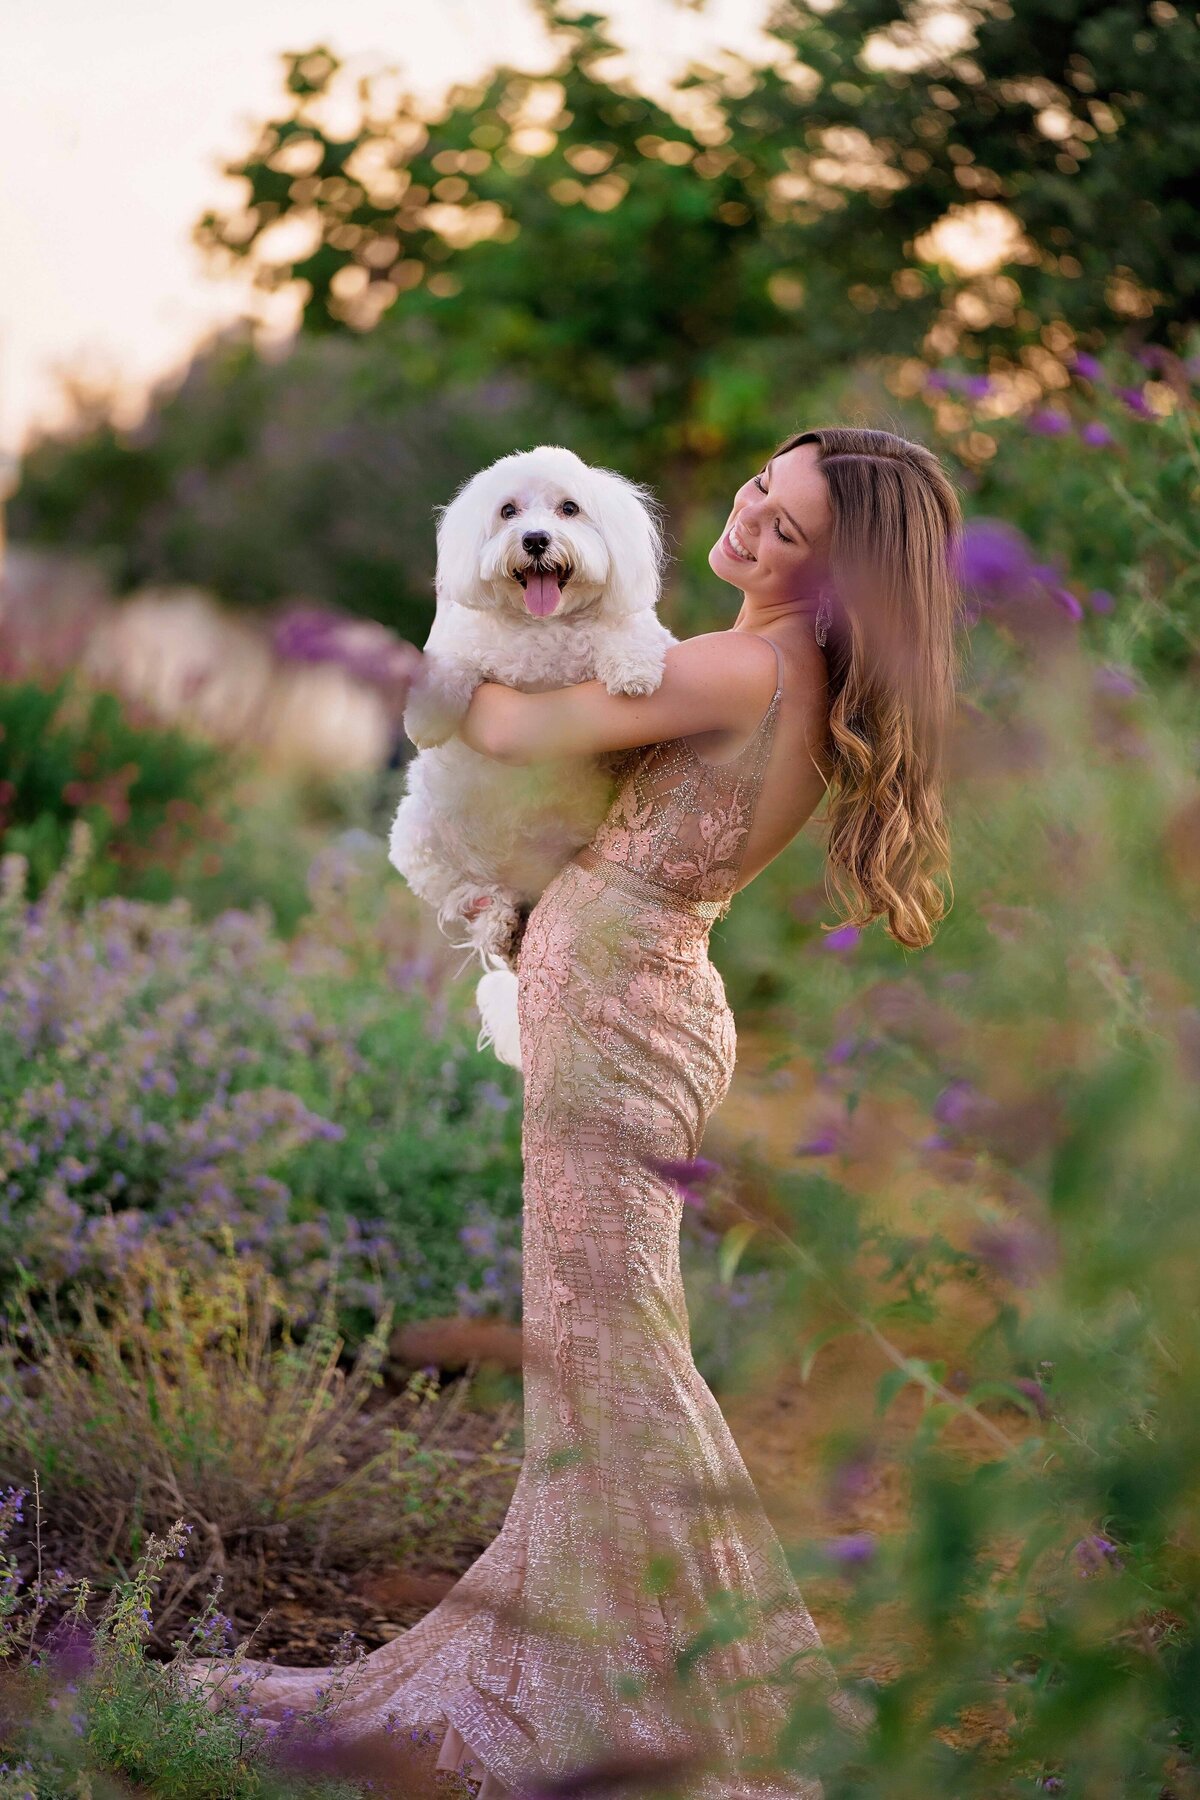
892 653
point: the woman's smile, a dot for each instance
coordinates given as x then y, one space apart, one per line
735 544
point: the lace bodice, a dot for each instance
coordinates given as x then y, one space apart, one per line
681 823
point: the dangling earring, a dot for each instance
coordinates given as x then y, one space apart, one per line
824 616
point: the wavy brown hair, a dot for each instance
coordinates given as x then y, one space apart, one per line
892 654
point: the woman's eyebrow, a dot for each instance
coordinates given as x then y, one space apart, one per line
794 523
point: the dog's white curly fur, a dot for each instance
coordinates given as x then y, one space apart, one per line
480 839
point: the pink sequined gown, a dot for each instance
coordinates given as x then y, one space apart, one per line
636 1598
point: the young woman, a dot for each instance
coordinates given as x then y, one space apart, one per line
636 1610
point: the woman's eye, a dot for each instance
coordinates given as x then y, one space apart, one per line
508 510
783 534
758 482
568 509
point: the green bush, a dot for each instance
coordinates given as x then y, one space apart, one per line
148 795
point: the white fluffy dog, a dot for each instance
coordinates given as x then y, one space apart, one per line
548 573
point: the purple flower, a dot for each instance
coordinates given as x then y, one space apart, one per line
995 557
843 938
824 1144
1135 400
1069 602
977 387
1012 1250
1086 367
689 1178
1047 422
1100 600
1093 1554
853 1551
1115 682
1096 435
957 1104
1034 1391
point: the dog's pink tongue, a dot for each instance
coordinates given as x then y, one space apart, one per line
542 594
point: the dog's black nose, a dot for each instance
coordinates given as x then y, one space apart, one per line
536 542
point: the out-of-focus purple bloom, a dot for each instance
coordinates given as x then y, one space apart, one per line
852 1478
1101 601
307 634
1048 422
957 381
71 1648
690 1178
824 1144
1086 367
1012 1250
1069 602
957 1104
1094 1554
1034 1391
1136 401
845 937
1117 683
1053 1784
995 557
1096 435
853 1551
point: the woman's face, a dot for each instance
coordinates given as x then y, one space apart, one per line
776 543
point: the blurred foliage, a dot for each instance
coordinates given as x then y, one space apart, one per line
313 475
1079 118
148 795
568 227
990 1197
557 256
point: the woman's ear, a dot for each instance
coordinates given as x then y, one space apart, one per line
628 517
460 535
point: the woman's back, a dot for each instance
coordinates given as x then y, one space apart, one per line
692 818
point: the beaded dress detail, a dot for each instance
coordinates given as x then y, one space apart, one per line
636 1607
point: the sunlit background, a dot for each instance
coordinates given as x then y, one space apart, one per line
275 280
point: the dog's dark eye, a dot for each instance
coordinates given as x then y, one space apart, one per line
508 510
568 509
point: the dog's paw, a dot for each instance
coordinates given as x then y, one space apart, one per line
429 721
496 926
631 677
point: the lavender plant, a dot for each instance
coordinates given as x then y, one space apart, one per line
317 1104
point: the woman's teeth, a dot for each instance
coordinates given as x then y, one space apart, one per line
737 546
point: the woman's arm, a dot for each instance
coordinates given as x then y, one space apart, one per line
711 683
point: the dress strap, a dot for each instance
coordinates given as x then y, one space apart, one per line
778 666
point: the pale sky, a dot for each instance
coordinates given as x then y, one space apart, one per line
115 117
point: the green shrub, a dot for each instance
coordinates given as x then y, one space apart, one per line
147 795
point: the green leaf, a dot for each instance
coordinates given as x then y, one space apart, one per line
819 1342
733 1246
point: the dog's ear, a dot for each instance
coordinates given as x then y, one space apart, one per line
460 535
629 520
